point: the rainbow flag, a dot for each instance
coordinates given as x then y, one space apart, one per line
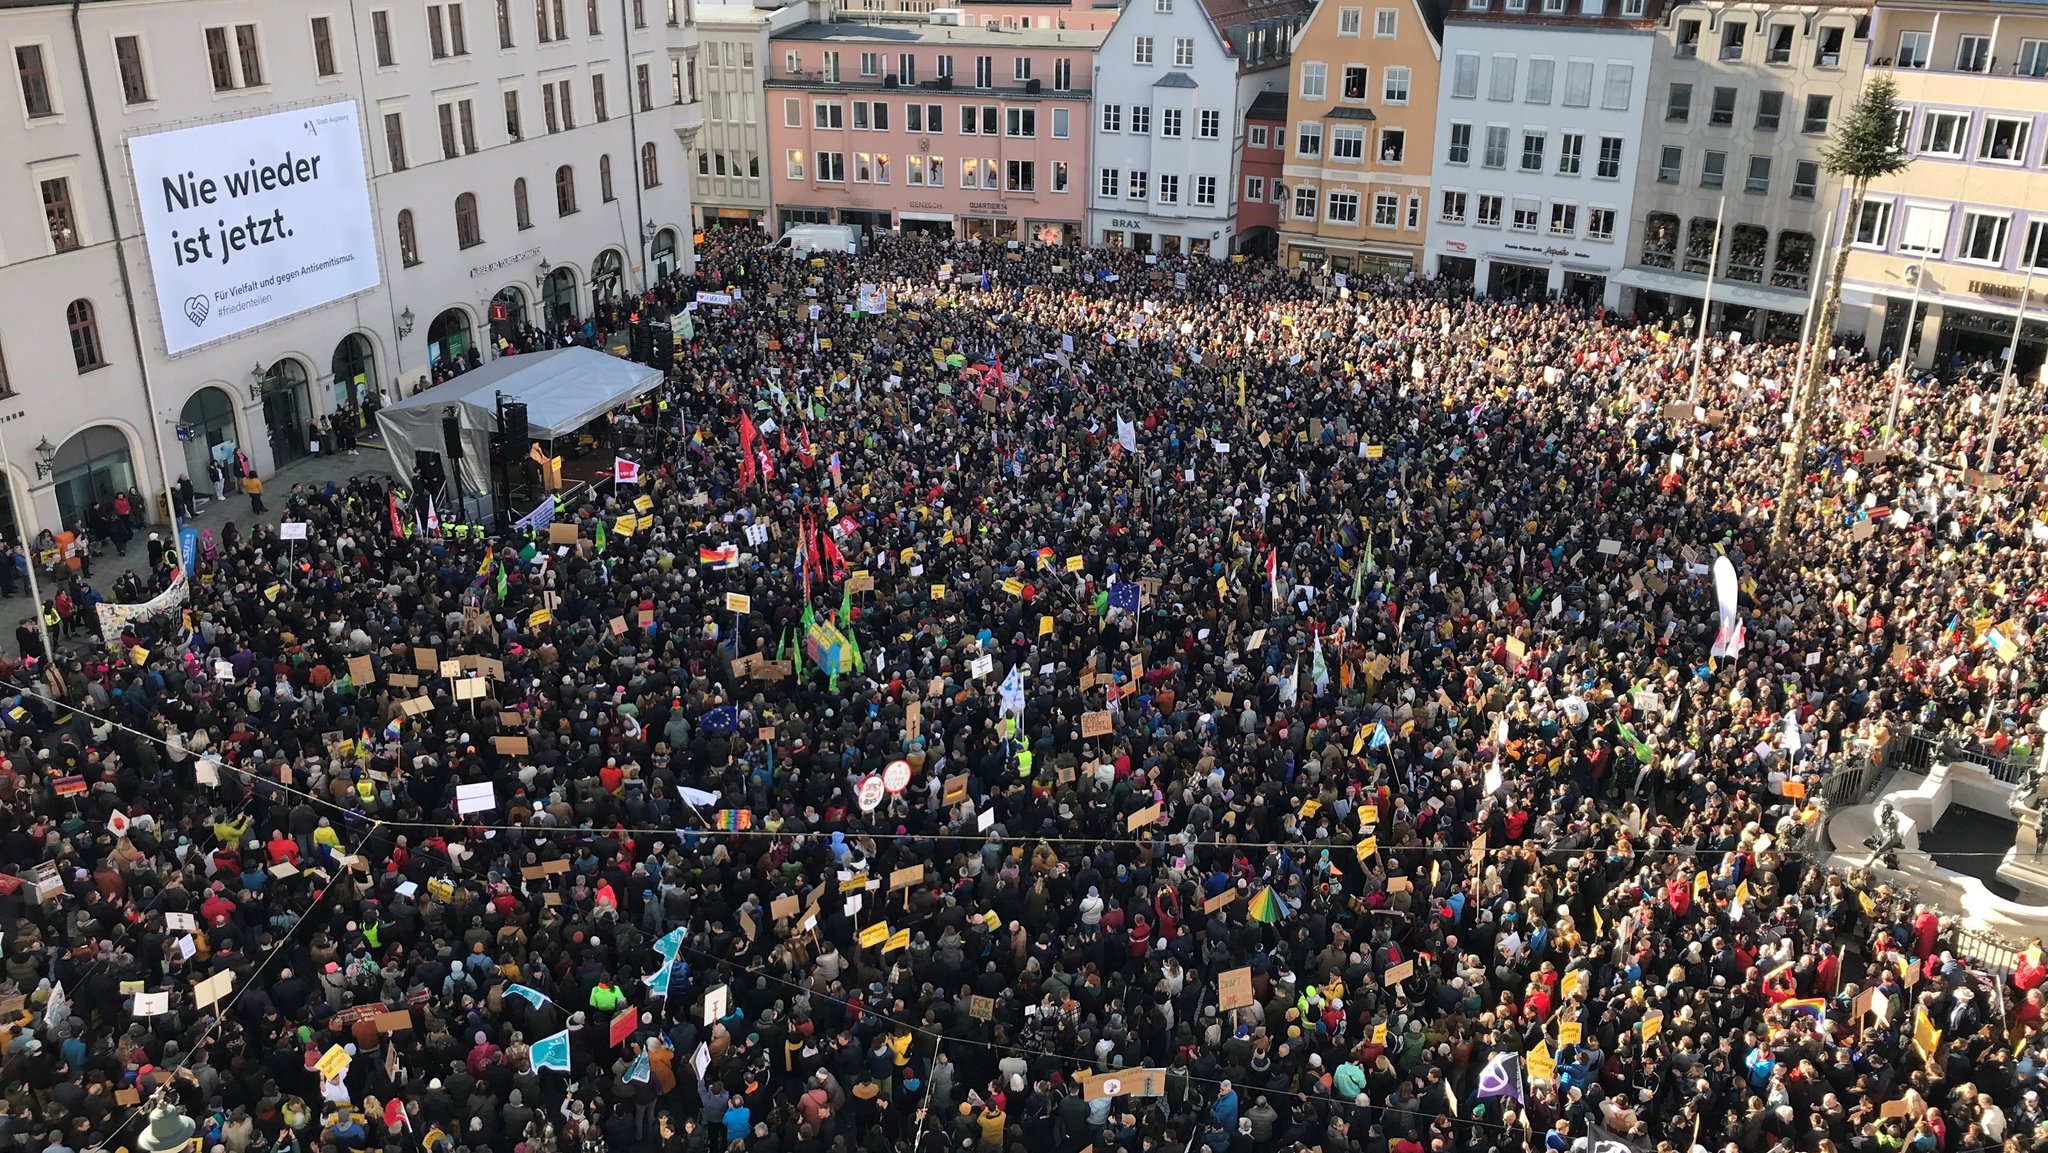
724 556
1267 906
1814 1007
732 820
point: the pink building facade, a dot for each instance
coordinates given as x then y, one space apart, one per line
1261 159
961 131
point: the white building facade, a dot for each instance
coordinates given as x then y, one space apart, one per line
1539 126
524 161
728 182
1172 84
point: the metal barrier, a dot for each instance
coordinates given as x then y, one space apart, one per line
1922 748
1992 952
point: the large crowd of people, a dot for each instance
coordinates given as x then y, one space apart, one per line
831 789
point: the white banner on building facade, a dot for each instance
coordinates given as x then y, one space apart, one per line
253 220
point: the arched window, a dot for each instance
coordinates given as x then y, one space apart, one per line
408 239
650 168
468 231
604 177
519 204
565 190
85 336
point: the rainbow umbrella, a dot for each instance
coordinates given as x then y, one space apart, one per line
1267 906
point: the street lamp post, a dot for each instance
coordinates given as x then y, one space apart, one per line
1699 340
2012 370
1891 420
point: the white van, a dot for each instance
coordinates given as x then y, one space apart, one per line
805 239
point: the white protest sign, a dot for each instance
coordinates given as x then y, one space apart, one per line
291 530
476 798
252 220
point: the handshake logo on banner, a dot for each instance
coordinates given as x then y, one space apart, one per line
230 196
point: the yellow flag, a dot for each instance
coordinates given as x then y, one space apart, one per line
1653 1025
1574 980
1742 893
1240 388
1869 906
1926 1038
1357 742
1699 884
1045 626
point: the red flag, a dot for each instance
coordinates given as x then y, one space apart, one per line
832 554
803 440
397 526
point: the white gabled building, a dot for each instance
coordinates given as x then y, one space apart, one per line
1539 125
1172 85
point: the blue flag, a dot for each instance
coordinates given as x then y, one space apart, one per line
528 994
552 1052
670 944
1013 691
1380 739
641 1069
723 719
1124 595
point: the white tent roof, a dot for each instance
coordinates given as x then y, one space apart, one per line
563 389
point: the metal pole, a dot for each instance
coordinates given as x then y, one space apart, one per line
1891 421
1699 340
35 589
1812 306
2012 370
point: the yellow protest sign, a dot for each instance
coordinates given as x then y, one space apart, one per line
874 934
1013 586
332 1063
1045 626
1540 1064
938 592
900 939
1568 1032
1074 563
1367 848
643 503
626 525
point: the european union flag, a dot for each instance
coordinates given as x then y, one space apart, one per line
723 719
1124 595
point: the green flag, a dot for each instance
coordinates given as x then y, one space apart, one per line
1636 745
600 535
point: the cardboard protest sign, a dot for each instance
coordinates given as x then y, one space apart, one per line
1234 989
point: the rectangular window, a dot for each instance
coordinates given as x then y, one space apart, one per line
1713 170
1465 75
1211 127
829 68
1139 187
1973 53
870 64
1308 139
2032 60
1141 50
1183 52
437 38
2004 140
860 116
2036 255
1141 119
984 72
323 47
1571 147
1342 208
1501 78
1686 44
1805 179
1386 210
1350 21
465 114
1255 189
1020 69
1564 219
1525 213
1915 47
1452 208
1578 83
1205 191
1304 203
1780 50
1059 123
512 127
1941 133
945 66
1678 103
599 106
988 119
58 213
1734 37
1259 137
1059 176
1169 122
504 25
1496 146
1542 72
1021 122
380 36
1816 118
1620 78
1486 213
1721 113
1355 81
832 167
1347 143
1169 188
1923 230
249 55
1770 109
1111 182
643 85
1599 224
1532 150
1112 118
1984 235
220 62
394 141
1460 149
1874 226
1394 85
1670 164
1393 145
1021 176
828 115
1759 180
1314 77
448 148
1063 75
1610 158
135 86
913 117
